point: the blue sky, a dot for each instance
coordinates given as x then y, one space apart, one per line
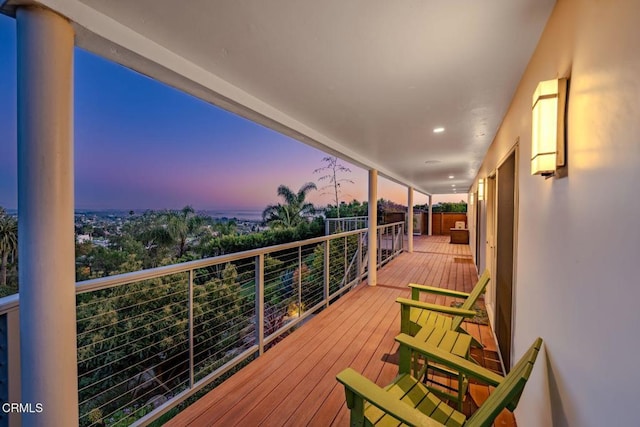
140 144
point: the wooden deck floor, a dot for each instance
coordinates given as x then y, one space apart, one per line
294 384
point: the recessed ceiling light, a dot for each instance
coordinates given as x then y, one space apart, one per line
438 130
453 185
451 177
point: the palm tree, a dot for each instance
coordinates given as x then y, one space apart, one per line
292 212
181 225
8 243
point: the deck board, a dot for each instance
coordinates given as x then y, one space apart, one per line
293 384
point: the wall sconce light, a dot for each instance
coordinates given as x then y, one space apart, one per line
481 189
547 139
471 199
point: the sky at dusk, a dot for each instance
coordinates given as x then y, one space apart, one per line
140 144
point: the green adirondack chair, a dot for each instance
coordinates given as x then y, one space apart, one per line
414 314
406 400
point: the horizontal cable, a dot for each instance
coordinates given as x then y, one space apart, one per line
127 344
129 319
128 278
120 310
132 402
128 355
233 344
97 299
184 352
217 338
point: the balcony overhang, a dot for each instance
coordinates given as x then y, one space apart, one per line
367 81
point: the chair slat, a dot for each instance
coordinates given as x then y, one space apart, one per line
508 391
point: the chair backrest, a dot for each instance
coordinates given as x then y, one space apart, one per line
507 394
470 302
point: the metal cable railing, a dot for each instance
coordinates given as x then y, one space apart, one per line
148 340
339 225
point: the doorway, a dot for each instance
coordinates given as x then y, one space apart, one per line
504 268
481 235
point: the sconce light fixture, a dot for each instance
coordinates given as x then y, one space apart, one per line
471 199
481 189
547 139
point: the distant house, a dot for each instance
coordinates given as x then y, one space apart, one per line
83 238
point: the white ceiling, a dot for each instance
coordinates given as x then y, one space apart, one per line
369 79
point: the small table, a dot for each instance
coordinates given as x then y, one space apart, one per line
459 236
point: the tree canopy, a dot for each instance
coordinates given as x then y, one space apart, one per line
293 211
8 243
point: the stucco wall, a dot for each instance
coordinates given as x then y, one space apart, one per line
578 286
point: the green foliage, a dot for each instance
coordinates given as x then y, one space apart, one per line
121 418
158 238
460 206
294 210
341 253
450 207
351 209
229 244
388 206
126 337
221 315
8 250
133 339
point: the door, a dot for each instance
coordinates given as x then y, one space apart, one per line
481 235
505 230
490 207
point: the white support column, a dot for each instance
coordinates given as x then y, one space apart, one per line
45 43
410 219
373 228
430 227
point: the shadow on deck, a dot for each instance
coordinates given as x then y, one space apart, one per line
293 384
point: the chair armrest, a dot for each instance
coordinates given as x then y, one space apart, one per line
454 311
438 291
458 363
373 394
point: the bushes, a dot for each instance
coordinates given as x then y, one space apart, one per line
217 246
133 340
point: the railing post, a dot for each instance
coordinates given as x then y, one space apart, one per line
372 277
326 272
299 281
430 217
191 365
393 239
379 232
326 226
410 217
346 262
260 303
359 252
